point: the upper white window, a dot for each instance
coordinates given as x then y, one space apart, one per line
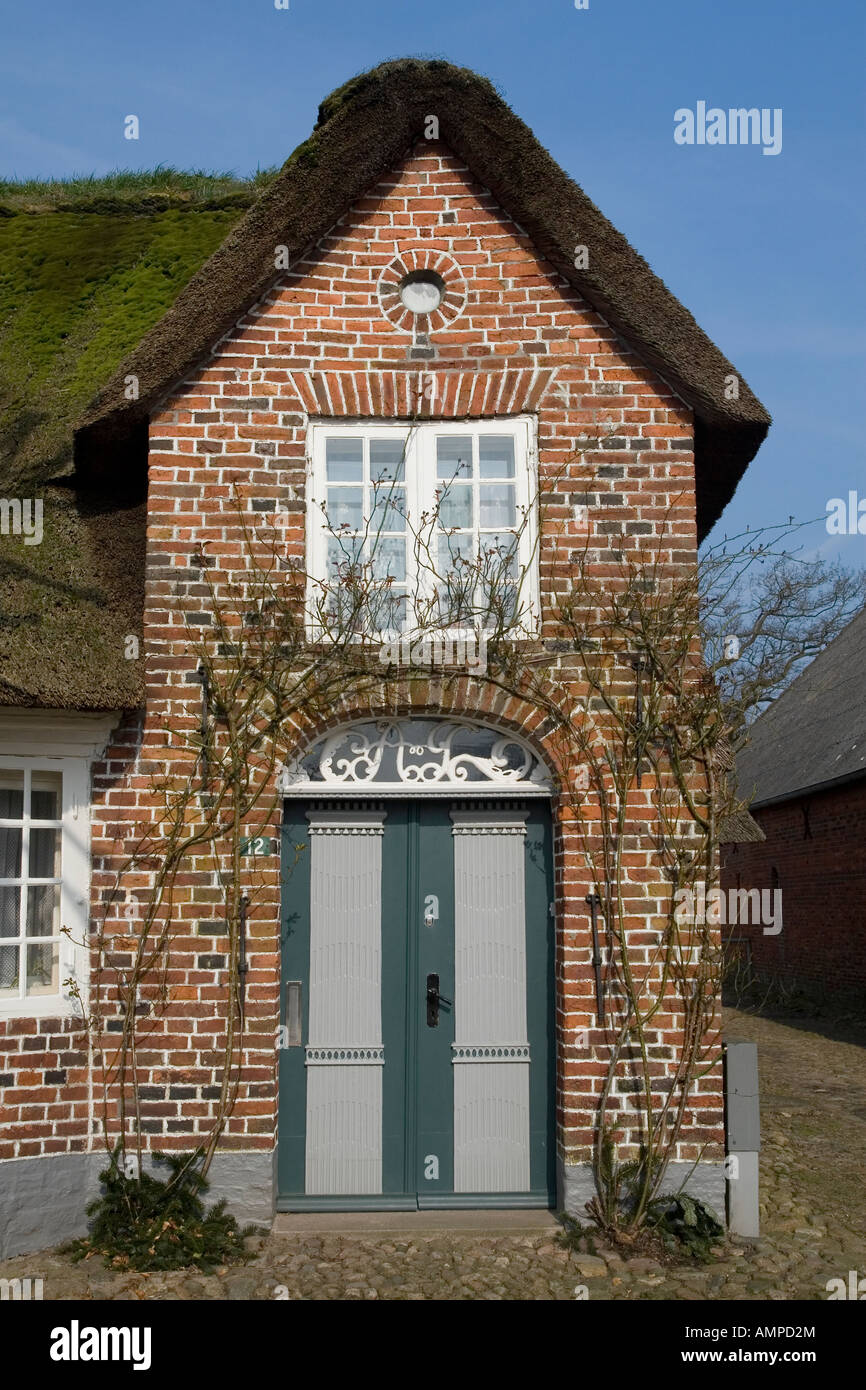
434 525
43 883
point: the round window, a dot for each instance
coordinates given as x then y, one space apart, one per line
421 291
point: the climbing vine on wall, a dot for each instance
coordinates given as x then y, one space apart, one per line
628 704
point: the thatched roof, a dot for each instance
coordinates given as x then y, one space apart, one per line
363 130
84 276
740 829
69 604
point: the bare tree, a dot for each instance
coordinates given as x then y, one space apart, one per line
780 608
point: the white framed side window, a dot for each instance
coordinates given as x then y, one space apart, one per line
440 518
44 883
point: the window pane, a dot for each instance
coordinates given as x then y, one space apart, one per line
498 592
44 853
387 610
11 795
389 509
497 505
42 971
346 508
10 899
457 579
389 558
499 555
344 459
455 552
344 554
455 506
456 600
496 456
45 796
343 612
386 459
454 456
43 909
9 958
10 852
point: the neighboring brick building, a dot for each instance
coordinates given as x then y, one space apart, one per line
805 770
297 360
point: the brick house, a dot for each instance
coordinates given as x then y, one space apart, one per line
420 267
804 769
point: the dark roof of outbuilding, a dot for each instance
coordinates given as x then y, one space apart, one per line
364 129
814 735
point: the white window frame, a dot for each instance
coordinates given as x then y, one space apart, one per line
421 484
74 887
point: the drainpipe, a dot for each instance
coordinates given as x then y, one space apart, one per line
205 726
594 903
243 963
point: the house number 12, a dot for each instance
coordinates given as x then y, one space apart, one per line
257 844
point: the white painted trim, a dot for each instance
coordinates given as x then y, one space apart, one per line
74 888
421 483
344 1056
384 791
489 1052
42 733
293 779
59 741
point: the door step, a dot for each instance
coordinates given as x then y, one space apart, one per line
416 1223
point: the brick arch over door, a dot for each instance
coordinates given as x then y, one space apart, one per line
462 699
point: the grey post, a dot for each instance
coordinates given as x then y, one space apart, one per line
743 1126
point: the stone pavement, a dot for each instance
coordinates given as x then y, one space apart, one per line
813 1102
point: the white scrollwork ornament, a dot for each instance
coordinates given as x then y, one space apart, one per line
418 754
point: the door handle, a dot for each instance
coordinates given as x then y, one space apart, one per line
434 999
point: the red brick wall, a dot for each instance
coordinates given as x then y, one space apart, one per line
817 845
319 345
43 1087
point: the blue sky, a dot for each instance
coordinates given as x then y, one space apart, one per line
766 251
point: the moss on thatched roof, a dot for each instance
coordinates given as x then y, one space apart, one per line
364 129
78 289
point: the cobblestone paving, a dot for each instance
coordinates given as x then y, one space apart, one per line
813 1102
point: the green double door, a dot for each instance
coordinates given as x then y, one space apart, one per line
415 1058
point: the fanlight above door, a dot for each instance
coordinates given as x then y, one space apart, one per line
409 757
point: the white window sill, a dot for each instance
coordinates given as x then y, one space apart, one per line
41 1006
